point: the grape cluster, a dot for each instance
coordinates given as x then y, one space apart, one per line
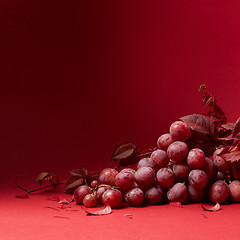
172 173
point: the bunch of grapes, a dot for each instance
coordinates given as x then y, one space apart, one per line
172 173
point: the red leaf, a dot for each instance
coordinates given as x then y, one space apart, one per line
200 123
236 129
230 154
73 182
82 172
44 176
125 154
105 211
228 126
215 208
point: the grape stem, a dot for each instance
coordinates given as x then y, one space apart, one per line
144 154
37 189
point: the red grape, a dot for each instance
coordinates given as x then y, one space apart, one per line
234 188
180 131
177 193
107 176
153 194
80 193
112 197
124 180
146 162
131 170
195 195
99 192
196 158
210 169
177 151
89 200
160 158
218 192
134 197
94 183
219 162
197 178
145 176
181 169
165 177
164 141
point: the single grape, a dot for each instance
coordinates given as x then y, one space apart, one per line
146 162
234 188
124 180
219 192
177 193
196 158
112 197
107 176
94 183
80 193
153 194
145 176
195 195
165 177
89 200
177 151
210 169
134 197
160 158
164 141
181 169
219 162
197 178
180 131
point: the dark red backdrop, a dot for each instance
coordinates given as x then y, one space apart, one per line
77 77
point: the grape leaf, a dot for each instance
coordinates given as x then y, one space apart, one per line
200 123
79 172
228 126
73 183
44 176
230 153
105 211
236 129
125 154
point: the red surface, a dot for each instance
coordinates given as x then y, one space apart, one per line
77 77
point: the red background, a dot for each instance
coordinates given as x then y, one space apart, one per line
77 77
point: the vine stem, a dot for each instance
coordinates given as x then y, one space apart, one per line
37 189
